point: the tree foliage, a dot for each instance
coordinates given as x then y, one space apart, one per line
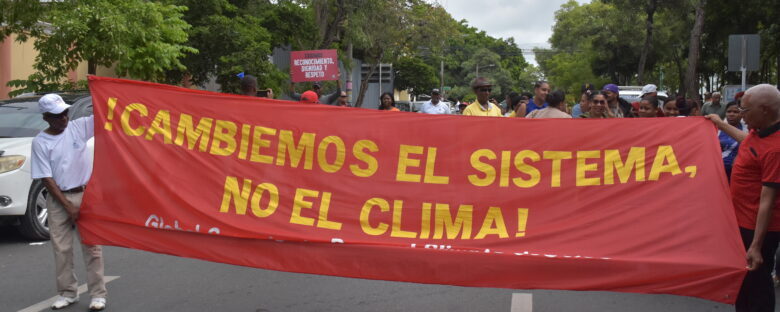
383 31
20 17
413 74
499 59
142 39
591 32
600 28
231 38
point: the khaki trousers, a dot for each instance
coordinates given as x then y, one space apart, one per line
62 231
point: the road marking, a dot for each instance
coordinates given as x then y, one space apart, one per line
522 302
46 304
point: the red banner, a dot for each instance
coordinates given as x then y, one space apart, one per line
629 205
314 65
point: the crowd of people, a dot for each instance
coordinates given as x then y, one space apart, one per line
595 103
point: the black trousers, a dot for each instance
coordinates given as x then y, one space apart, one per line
757 293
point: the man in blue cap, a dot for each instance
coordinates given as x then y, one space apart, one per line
616 106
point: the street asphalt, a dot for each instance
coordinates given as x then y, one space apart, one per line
144 281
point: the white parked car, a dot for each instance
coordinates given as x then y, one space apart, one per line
633 93
22 199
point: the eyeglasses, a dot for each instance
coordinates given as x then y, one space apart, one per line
485 90
599 102
743 109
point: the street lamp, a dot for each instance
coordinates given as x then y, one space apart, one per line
486 66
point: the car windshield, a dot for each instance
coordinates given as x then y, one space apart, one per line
20 119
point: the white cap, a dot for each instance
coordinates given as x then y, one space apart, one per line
649 89
52 103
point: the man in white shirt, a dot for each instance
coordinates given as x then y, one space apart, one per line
435 105
60 159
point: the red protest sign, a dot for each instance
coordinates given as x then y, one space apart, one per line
358 193
314 65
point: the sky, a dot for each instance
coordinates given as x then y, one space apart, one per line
528 21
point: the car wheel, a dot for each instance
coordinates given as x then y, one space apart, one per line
35 222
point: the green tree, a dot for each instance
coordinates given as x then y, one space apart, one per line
231 38
605 30
383 31
568 71
411 73
331 18
142 39
691 76
750 17
290 23
490 66
20 17
466 46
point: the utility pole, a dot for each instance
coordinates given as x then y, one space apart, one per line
442 77
348 82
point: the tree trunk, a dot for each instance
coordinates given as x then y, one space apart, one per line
321 19
651 6
330 26
364 85
680 77
613 73
91 67
348 69
691 81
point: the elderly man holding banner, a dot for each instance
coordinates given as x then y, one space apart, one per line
755 179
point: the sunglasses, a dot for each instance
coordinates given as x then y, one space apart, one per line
743 109
485 90
600 101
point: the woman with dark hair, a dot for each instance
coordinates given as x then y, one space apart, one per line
517 103
648 107
583 105
687 107
728 145
386 102
555 107
597 107
541 89
671 107
521 106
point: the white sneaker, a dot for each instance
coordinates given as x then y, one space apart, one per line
97 304
62 302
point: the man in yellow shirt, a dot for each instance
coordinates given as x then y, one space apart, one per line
482 107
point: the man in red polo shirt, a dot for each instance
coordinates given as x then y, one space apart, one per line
755 180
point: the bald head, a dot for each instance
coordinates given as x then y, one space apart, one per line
764 95
761 106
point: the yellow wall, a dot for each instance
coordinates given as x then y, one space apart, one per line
402 95
22 59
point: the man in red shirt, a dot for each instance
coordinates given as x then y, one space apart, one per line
755 180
